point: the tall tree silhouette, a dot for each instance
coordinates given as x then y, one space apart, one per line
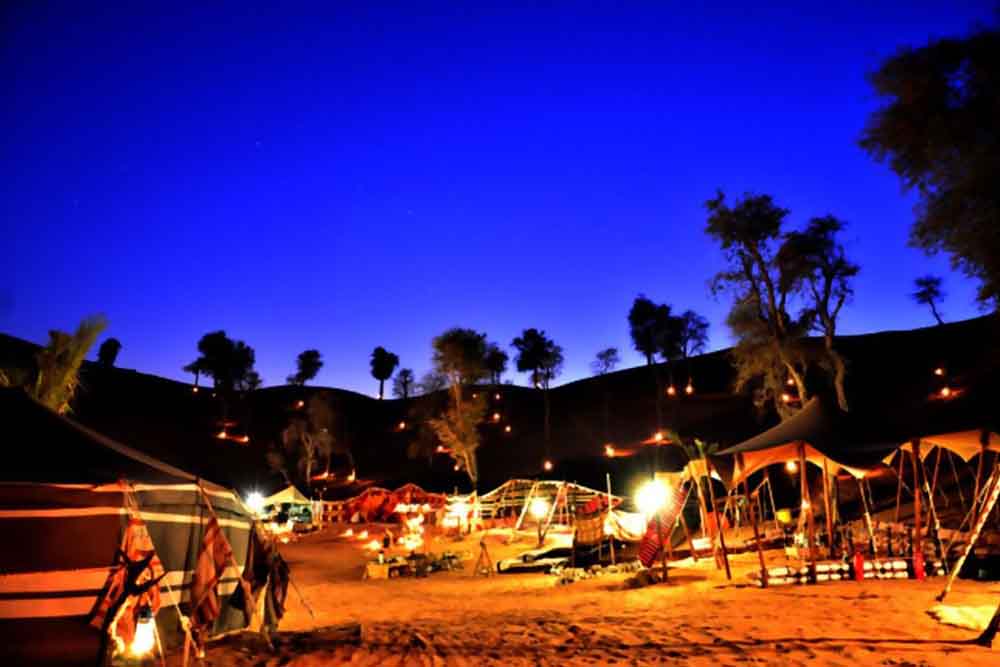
383 363
604 362
403 383
653 330
107 353
817 258
228 362
692 333
539 355
940 132
929 293
460 356
769 345
496 362
308 365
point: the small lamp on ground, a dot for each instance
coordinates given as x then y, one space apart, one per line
539 509
145 633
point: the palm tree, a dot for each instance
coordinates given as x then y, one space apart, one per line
383 363
308 363
58 364
108 352
402 383
929 293
539 355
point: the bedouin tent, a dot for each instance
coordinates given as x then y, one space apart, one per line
289 495
62 516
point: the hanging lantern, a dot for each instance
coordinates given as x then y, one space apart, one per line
689 389
402 426
609 451
145 633
786 398
939 371
790 382
671 390
496 416
547 466
792 467
194 390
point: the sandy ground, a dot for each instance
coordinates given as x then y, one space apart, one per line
698 618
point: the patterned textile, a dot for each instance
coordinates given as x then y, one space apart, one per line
662 525
136 546
590 530
212 558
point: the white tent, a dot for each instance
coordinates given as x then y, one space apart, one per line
289 495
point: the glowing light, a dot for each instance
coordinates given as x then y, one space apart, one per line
348 533
689 389
145 634
609 451
805 504
792 466
255 501
222 435
496 416
457 467
945 392
671 390
506 428
652 497
374 545
496 397
939 371
539 508
658 436
402 425
474 395
786 398
243 438
300 404
790 382
547 466
194 390
351 478
440 449
363 535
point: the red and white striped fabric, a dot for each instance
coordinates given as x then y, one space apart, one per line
136 545
650 547
213 556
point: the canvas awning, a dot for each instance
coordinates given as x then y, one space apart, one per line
289 495
966 444
851 441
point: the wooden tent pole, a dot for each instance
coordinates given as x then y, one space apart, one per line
958 482
826 508
975 492
687 533
917 541
934 479
806 506
868 517
610 506
756 533
989 502
932 514
718 522
899 486
770 494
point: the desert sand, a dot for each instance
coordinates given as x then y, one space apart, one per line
698 618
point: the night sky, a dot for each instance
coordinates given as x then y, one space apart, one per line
343 176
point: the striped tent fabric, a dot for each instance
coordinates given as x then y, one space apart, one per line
64 516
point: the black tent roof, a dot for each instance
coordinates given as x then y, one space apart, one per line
44 447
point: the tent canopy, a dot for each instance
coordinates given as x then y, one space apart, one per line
853 441
289 495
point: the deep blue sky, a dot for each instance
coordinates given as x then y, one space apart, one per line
343 175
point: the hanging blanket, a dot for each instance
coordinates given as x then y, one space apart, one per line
590 530
662 525
124 577
212 558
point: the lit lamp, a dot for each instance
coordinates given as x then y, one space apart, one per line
145 633
506 428
496 396
547 466
792 467
790 382
539 509
939 371
651 497
496 416
402 425
194 390
786 398
671 390
945 392
658 436
689 389
221 435
609 451
300 404
255 501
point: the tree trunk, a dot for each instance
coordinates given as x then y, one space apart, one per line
937 316
381 385
548 430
